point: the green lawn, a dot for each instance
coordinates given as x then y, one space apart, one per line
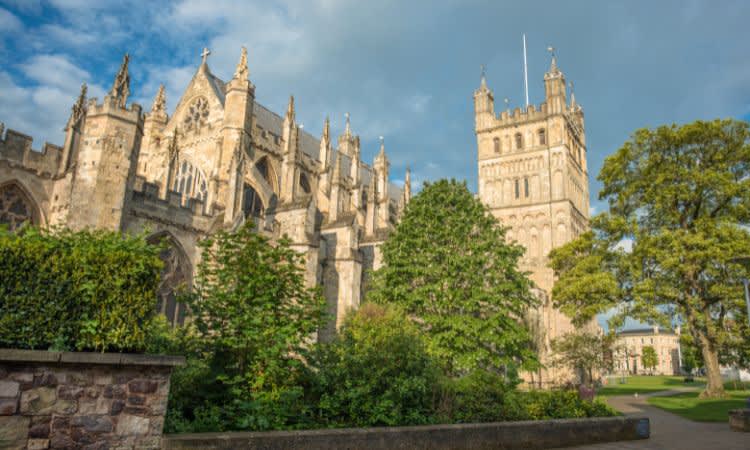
688 405
645 384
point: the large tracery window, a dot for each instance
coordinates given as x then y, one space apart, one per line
252 206
175 277
190 182
16 209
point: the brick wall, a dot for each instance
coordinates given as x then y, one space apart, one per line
82 400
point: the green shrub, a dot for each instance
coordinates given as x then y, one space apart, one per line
480 396
87 290
375 373
561 404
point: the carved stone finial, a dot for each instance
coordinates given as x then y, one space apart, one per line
79 108
160 101
482 78
326 129
348 129
290 109
174 151
204 55
241 72
121 87
553 64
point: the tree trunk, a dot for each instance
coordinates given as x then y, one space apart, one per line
714 384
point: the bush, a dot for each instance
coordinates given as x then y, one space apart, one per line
375 373
480 396
87 290
561 404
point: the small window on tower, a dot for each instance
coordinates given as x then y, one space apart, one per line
519 141
526 187
496 143
542 137
518 193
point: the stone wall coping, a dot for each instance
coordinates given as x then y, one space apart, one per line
121 359
534 434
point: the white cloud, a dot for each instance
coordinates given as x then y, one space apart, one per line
625 244
66 36
54 70
9 23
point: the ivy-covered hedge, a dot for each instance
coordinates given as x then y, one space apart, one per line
87 290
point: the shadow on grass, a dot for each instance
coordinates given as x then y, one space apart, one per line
646 385
689 406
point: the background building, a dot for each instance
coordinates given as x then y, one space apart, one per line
630 344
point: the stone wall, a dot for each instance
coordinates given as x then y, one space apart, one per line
91 401
540 434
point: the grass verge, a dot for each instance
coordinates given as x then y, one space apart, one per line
643 384
689 406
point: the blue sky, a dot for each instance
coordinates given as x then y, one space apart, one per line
405 70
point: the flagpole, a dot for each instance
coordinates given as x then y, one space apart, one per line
525 72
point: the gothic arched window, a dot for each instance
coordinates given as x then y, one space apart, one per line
304 184
266 171
175 277
190 182
518 190
519 141
252 205
16 209
542 137
496 144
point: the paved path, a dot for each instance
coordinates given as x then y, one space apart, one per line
670 431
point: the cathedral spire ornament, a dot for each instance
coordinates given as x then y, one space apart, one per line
241 72
79 108
482 78
348 129
160 101
290 109
553 64
121 87
204 56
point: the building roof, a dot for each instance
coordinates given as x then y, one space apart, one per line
647 332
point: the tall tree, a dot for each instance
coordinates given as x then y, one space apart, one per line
649 358
679 205
448 265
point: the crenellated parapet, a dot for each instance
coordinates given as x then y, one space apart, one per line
16 149
133 114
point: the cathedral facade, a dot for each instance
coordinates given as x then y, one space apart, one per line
220 159
534 179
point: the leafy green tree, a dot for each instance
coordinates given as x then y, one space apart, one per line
681 197
254 318
448 265
376 372
649 358
584 352
691 353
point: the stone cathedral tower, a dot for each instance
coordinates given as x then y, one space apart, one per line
533 177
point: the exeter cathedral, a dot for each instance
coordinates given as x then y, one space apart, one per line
221 159
218 160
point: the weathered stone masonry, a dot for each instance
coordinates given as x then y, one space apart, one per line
82 400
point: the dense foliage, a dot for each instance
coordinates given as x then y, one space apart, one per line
253 318
679 197
448 266
375 372
87 290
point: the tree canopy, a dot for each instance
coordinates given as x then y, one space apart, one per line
679 206
649 358
448 266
